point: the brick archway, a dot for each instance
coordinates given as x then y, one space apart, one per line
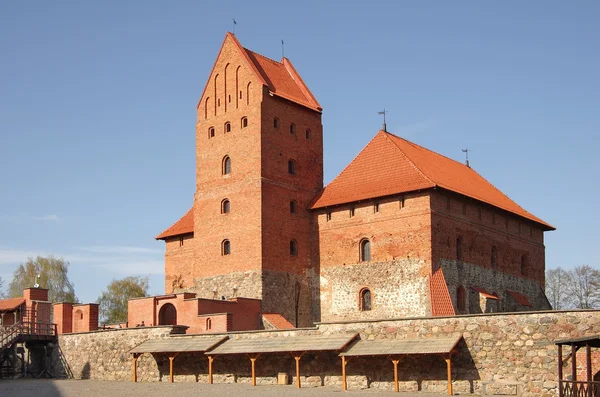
167 315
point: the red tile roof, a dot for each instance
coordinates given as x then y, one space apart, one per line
277 321
11 303
519 297
185 225
484 293
441 303
391 165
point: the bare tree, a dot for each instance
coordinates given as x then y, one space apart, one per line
558 284
585 287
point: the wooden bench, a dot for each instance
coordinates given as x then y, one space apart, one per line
501 382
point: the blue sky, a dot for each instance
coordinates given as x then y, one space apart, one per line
97 110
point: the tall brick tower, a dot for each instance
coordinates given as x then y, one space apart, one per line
259 163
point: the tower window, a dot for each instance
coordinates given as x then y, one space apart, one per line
225 206
328 216
208 324
307 133
365 250
226 165
293 129
211 132
225 247
275 122
494 257
459 252
227 127
240 94
244 122
351 212
523 265
181 241
229 97
375 208
401 202
293 207
293 248
291 167
365 299
460 299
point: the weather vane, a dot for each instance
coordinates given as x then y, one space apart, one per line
384 124
466 151
234 23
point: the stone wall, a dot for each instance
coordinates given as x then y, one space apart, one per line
494 346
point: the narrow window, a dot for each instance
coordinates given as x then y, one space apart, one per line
293 129
248 93
293 207
464 208
375 208
365 250
328 216
401 202
494 257
460 299
240 94
229 98
225 206
181 241
293 248
219 102
307 133
365 299
211 132
244 122
459 253
351 212
275 122
81 315
523 265
227 127
208 324
291 167
226 165
225 247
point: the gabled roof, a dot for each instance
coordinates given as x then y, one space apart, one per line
519 297
277 321
441 303
185 225
391 165
11 303
280 78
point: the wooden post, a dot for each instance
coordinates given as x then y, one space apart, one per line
449 366
210 369
297 357
252 361
344 384
560 371
171 358
574 364
135 357
588 358
395 362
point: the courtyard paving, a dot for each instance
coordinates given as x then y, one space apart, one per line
94 388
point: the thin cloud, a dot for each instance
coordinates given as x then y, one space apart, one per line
15 257
50 217
31 218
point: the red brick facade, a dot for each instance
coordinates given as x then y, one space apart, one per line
72 317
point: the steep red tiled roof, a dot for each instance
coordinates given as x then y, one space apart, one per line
484 293
277 321
519 297
391 165
441 303
11 303
185 225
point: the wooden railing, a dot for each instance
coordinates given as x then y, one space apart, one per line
570 388
10 333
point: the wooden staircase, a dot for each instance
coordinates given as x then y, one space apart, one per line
21 332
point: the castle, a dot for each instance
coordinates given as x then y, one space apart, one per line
401 232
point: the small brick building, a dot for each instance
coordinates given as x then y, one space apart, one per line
402 231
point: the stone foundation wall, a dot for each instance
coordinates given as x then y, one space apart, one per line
494 346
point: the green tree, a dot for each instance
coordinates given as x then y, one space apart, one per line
113 301
53 276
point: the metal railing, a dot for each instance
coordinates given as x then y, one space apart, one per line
569 388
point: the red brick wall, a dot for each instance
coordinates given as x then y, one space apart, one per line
35 294
179 261
85 317
139 310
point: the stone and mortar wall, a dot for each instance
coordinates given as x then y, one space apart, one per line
495 346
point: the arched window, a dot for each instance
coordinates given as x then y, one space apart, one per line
293 207
523 265
227 127
365 250
208 324
211 132
494 257
293 248
226 165
225 247
293 129
244 122
307 133
460 299
275 122
248 93
459 253
291 167
225 206
365 299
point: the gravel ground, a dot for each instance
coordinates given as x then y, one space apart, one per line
94 388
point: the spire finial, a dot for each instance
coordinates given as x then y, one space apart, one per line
384 124
466 151
234 23
282 53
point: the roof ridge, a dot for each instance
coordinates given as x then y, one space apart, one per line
407 156
263 56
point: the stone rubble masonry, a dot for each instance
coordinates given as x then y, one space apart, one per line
494 346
